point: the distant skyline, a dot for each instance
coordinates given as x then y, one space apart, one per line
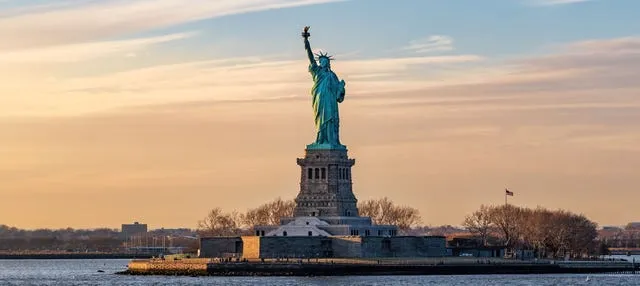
115 111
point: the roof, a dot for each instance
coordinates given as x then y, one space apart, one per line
301 226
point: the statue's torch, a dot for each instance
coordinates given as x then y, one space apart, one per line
305 32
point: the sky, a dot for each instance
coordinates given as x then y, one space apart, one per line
114 111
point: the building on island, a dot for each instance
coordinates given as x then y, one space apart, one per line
326 205
326 222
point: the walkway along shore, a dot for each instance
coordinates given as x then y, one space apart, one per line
343 267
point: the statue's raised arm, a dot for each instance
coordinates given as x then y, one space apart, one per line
307 46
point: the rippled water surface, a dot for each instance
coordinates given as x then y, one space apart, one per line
85 272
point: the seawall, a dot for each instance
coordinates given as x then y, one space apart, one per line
188 267
343 267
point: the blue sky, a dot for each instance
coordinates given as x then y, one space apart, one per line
357 29
147 99
376 27
373 28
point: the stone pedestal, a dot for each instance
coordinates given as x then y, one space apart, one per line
326 205
325 184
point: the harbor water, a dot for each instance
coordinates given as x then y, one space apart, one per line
102 272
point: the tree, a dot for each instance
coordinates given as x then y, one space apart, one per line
479 223
603 249
384 211
507 219
537 230
548 233
269 213
218 223
406 218
370 208
583 235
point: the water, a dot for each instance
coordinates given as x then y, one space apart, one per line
85 272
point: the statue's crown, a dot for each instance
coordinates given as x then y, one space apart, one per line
324 55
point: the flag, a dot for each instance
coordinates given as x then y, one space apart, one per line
508 193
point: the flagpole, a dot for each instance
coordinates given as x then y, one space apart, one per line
506 194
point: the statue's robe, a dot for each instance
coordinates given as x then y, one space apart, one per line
327 92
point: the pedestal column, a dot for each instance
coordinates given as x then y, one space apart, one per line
326 184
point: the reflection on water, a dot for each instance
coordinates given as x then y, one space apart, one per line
85 272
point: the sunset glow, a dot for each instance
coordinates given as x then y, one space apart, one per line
115 111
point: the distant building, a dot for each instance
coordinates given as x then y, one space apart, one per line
609 232
135 229
466 245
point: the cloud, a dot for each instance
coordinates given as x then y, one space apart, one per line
626 45
604 63
596 65
87 51
588 75
586 65
436 43
225 79
30 28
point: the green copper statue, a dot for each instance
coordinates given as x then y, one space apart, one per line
327 92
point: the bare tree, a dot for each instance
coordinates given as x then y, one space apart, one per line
370 208
218 223
507 219
537 230
269 213
280 209
381 211
583 235
479 223
257 216
560 227
384 211
549 233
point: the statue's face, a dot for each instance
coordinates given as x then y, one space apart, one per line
325 62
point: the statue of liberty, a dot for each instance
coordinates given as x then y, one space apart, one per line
326 93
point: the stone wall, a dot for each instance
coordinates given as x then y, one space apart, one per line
251 247
220 247
377 246
346 246
404 246
283 246
254 247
